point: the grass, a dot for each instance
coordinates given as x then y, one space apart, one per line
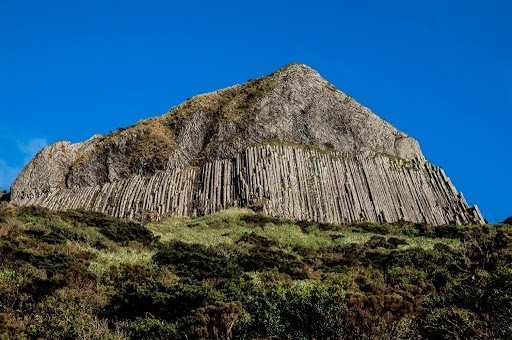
106 259
227 226
209 230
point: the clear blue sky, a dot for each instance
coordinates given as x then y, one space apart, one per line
440 71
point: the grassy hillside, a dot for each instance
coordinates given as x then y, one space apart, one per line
237 274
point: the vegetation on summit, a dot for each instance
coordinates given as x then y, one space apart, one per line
238 274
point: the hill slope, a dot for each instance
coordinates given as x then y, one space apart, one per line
241 275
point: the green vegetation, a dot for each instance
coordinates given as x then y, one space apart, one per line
144 147
4 196
242 275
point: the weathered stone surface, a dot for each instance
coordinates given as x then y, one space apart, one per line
289 144
48 170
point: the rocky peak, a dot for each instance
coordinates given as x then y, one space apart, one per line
291 109
292 105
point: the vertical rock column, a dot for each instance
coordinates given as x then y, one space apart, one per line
284 181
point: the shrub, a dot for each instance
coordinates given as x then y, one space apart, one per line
51 262
10 328
39 288
87 218
448 231
57 236
8 249
148 327
125 232
382 229
118 230
425 260
261 258
308 226
256 240
303 311
377 242
338 258
476 305
217 321
9 226
449 323
69 314
196 261
384 305
395 242
138 294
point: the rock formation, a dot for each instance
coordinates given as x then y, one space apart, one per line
289 144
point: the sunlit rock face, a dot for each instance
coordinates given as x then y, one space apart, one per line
289 144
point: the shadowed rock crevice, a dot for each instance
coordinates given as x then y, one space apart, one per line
289 144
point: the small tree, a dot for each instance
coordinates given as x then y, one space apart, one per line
508 220
4 195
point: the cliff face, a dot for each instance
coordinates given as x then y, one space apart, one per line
289 144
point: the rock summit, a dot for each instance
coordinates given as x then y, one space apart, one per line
289 144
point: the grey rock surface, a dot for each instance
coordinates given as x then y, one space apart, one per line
290 144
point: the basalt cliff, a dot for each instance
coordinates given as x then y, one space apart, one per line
289 144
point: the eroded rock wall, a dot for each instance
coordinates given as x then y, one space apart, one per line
282 180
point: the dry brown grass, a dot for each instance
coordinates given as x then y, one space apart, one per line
231 105
10 227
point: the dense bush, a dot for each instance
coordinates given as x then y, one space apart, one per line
124 232
302 311
120 231
196 261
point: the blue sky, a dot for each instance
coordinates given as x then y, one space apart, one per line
440 71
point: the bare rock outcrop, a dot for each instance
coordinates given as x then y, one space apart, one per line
290 144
